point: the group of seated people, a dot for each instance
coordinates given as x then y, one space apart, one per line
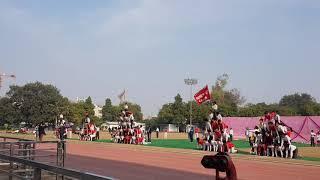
217 136
128 135
271 137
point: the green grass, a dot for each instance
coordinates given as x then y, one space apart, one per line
173 143
315 159
104 140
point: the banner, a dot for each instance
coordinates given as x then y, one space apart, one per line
203 95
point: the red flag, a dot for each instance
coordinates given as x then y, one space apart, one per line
203 95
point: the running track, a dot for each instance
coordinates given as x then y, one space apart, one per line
139 163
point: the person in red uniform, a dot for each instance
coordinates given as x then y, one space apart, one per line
267 116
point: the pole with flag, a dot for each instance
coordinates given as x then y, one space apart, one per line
122 96
203 95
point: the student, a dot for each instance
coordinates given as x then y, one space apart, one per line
191 133
231 134
157 132
219 116
196 131
247 133
318 139
63 130
277 117
253 144
293 151
41 130
215 106
313 135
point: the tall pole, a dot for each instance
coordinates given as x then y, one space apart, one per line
190 82
191 105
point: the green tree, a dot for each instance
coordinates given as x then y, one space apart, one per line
174 113
109 112
228 100
302 104
9 112
36 102
89 106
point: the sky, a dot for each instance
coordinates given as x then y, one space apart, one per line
95 48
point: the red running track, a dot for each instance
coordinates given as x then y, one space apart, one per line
139 163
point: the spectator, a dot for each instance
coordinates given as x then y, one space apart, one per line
165 134
196 131
62 131
231 134
318 139
41 130
247 134
313 135
149 132
157 132
191 133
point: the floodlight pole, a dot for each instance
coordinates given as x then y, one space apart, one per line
190 82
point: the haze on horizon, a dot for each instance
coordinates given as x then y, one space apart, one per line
269 48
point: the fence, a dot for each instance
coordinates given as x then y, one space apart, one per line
25 159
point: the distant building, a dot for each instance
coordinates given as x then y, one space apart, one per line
97 111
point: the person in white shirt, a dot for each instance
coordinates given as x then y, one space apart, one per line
293 151
313 135
215 106
277 118
157 132
219 116
211 115
318 139
208 127
247 134
231 134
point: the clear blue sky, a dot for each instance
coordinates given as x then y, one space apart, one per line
269 47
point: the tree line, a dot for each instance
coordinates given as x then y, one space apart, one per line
36 102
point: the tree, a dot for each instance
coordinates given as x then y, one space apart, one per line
109 112
89 106
35 103
174 113
228 100
302 104
9 112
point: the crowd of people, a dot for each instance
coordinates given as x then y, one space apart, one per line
217 136
128 132
271 137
